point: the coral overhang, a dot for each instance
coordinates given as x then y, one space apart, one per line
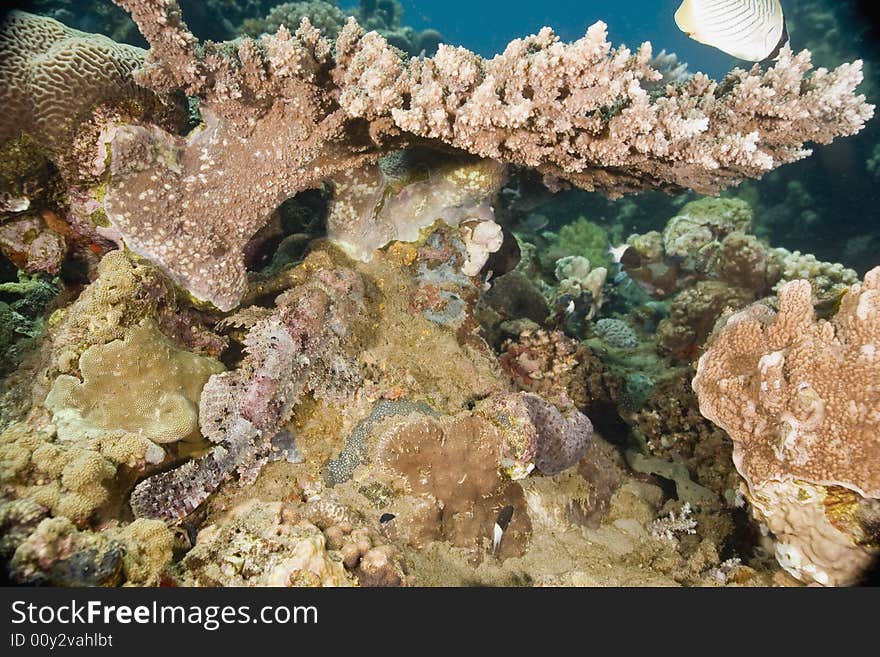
286 112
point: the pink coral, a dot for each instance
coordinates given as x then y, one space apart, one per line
801 400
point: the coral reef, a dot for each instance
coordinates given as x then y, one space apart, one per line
57 554
802 431
282 544
705 261
273 104
297 349
616 333
296 299
141 384
372 208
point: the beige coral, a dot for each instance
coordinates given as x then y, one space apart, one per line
264 544
449 474
800 398
142 385
70 479
58 554
52 77
371 208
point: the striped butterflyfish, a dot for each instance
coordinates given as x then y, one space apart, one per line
753 30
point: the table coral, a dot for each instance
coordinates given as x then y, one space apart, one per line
367 431
773 382
285 115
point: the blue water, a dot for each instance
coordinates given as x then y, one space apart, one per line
486 26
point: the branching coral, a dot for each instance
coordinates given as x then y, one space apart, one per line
800 399
284 114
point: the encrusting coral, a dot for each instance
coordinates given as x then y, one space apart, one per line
375 205
57 554
285 113
800 399
141 384
280 544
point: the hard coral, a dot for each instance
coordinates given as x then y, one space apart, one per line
773 382
141 385
57 554
262 544
372 208
453 487
52 77
281 118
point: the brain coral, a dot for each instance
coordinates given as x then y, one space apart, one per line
801 400
617 333
52 76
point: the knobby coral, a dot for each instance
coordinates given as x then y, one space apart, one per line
282 114
801 400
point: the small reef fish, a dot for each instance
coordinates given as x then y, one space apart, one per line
501 523
753 30
617 252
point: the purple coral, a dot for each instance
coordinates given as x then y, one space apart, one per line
562 438
297 349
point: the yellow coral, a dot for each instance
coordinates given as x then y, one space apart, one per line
149 549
